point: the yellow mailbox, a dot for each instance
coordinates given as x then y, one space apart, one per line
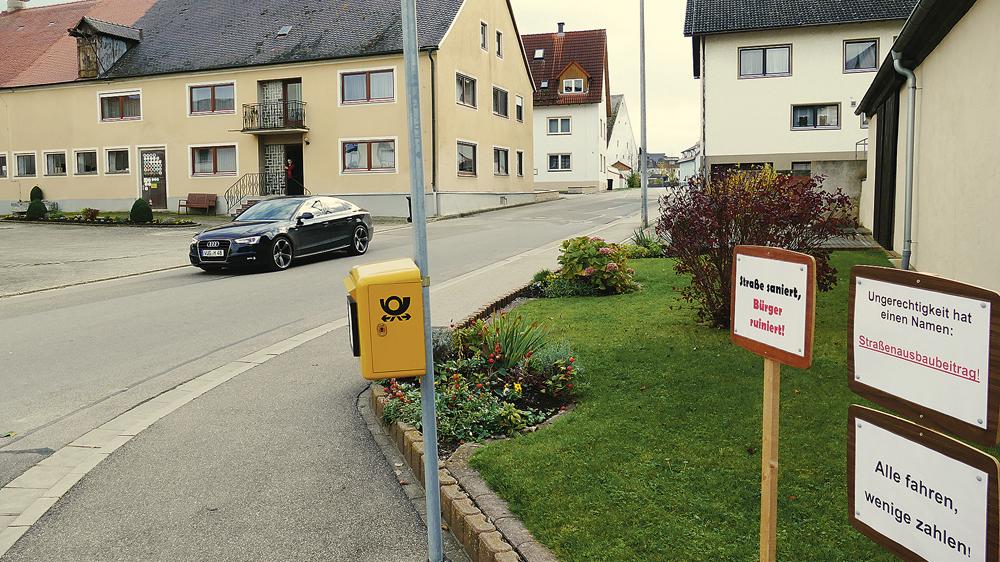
386 316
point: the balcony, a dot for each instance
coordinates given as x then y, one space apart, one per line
276 117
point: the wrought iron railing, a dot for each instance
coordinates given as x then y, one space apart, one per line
264 184
274 115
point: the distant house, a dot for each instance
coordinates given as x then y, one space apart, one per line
662 169
689 164
572 110
950 45
161 98
623 154
780 80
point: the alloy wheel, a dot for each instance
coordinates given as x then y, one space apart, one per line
360 239
282 253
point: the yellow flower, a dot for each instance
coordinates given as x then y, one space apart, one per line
517 387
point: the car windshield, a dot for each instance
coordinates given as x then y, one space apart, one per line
274 210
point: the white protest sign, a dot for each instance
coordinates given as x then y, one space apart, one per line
929 347
912 494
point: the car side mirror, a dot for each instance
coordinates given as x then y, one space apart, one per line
304 217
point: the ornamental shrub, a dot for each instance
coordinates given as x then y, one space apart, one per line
705 221
36 210
597 263
36 194
89 215
141 212
634 180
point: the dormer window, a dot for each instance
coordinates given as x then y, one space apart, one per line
573 86
100 44
539 54
545 84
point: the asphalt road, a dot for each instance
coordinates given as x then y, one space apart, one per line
74 358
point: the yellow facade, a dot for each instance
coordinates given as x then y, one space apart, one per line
66 118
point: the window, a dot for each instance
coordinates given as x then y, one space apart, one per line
559 125
368 87
466 159
519 108
545 84
121 107
218 98
86 162
573 86
117 162
25 166
500 105
55 163
213 161
483 34
539 54
369 156
465 90
520 163
3 165
861 56
499 44
560 162
816 116
801 168
500 160
864 121
759 62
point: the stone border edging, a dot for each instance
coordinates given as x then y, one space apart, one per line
126 225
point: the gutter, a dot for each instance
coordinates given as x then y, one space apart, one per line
911 117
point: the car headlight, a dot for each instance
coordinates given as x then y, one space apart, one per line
249 241
194 240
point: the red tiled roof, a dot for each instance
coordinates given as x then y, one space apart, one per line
589 49
36 48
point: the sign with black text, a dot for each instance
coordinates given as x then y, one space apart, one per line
918 493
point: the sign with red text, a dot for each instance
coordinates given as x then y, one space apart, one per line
773 303
926 347
918 493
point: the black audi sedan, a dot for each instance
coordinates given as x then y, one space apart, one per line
278 230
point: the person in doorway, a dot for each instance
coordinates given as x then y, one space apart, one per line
289 169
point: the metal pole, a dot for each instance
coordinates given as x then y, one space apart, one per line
418 200
642 104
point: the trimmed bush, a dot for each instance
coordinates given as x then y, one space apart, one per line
36 210
36 194
141 212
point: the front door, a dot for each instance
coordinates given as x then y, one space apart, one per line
295 181
886 141
154 177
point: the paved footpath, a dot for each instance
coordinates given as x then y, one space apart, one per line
264 458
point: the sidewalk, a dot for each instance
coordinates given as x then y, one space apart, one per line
274 464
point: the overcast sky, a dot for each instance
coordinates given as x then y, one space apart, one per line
672 94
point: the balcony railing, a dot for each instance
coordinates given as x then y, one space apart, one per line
274 116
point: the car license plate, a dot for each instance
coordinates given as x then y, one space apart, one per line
213 253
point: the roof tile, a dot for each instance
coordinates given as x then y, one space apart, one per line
589 49
723 16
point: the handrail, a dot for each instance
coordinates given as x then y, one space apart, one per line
274 115
262 184
863 143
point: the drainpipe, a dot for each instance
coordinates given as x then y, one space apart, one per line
911 117
434 129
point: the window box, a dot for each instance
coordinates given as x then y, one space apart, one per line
766 62
466 159
125 106
560 125
212 99
810 117
213 161
465 90
861 55
560 162
501 103
368 156
501 159
375 86
25 166
86 162
117 161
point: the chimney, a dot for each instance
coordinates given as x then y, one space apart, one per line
15 5
562 25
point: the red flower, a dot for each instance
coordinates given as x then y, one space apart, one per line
491 360
572 360
569 385
528 355
479 385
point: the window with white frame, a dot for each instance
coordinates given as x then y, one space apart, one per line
572 86
484 32
861 55
559 126
213 98
764 62
86 162
520 163
539 54
55 163
126 106
501 159
560 162
519 108
373 86
25 166
213 160
117 161
368 156
465 90
499 44
3 165
824 116
501 104
466 159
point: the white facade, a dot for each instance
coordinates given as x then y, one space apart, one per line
749 120
585 144
622 148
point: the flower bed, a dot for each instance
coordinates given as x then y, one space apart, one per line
105 221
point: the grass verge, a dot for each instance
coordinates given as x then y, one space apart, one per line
661 458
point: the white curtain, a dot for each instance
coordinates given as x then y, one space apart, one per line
355 156
777 61
226 158
203 161
826 116
384 155
354 87
382 85
751 62
225 98
862 55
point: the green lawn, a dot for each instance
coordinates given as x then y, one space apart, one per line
661 458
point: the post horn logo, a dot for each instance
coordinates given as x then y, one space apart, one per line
395 308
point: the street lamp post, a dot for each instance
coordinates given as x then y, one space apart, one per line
642 104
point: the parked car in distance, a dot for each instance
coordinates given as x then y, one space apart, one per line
278 230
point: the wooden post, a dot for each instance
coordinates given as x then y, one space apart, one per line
769 461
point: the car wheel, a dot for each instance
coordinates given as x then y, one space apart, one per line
281 254
359 241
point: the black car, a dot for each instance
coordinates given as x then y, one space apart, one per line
278 230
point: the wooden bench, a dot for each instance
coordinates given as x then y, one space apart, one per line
205 201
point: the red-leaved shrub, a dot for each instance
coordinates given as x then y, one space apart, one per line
705 221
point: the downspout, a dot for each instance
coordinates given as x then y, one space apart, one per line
911 116
434 131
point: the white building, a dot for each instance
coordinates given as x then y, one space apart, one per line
623 154
955 201
571 110
779 86
689 164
